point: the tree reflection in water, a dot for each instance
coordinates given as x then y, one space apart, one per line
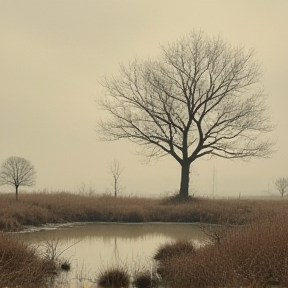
95 246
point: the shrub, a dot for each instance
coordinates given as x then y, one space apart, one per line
171 249
65 266
144 279
21 265
114 276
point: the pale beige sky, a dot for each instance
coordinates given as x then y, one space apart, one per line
54 53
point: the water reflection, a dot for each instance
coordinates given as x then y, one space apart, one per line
97 245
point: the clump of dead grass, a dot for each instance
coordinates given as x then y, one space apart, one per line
21 265
144 279
174 248
114 276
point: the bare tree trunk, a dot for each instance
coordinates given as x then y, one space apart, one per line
16 193
115 187
184 185
116 171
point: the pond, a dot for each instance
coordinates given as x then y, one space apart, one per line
91 247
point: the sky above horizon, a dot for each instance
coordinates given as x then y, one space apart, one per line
53 55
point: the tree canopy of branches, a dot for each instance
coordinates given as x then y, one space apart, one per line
200 97
282 185
17 171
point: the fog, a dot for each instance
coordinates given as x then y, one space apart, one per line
53 55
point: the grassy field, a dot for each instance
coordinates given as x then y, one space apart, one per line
41 208
249 247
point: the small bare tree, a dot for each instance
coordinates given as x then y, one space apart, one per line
282 185
116 170
17 171
200 98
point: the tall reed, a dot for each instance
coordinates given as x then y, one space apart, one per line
21 265
41 208
253 255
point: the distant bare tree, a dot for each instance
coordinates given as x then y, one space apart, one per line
200 98
116 170
17 171
83 189
282 185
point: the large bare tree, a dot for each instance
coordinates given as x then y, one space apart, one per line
201 97
17 171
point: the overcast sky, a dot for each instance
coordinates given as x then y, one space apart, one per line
54 53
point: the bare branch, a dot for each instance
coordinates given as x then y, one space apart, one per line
282 185
200 97
17 171
116 170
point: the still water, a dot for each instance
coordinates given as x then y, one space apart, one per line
94 246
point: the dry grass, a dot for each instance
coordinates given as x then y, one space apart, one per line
171 249
144 279
114 276
253 255
40 208
21 265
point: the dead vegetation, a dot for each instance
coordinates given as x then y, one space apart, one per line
114 276
21 265
171 249
253 255
62 207
248 239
